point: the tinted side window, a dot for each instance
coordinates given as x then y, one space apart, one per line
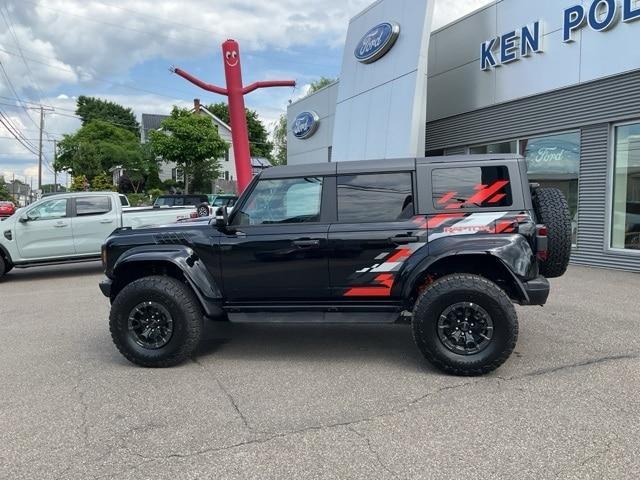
281 201
385 197
92 206
471 187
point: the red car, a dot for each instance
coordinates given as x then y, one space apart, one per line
7 209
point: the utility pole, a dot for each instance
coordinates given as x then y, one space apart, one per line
40 149
55 172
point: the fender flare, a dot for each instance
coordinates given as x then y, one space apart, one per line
504 249
203 284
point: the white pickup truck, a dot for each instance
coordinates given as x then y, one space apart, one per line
71 227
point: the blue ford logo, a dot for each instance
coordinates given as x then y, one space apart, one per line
377 42
305 125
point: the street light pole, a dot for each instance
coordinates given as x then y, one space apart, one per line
40 149
55 171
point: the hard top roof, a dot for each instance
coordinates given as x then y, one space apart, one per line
377 166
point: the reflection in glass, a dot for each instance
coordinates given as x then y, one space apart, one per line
384 197
295 200
625 224
471 187
554 161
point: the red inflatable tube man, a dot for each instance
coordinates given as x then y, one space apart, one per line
235 91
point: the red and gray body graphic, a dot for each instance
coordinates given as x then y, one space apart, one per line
377 279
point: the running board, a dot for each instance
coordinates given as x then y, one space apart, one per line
305 318
50 263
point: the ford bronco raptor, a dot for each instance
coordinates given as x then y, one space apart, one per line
449 243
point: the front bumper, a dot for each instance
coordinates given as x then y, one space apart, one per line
105 287
537 290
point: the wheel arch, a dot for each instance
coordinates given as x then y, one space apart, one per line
181 264
484 264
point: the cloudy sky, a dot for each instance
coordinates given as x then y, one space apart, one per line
51 51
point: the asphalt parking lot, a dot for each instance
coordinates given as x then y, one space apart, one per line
317 401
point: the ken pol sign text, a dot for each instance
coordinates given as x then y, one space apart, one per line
602 15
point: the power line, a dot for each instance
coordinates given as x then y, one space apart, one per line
7 20
14 91
4 120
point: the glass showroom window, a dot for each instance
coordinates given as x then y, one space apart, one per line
625 220
554 161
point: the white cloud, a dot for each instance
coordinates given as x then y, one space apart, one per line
80 40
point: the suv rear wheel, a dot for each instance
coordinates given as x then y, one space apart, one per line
552 211
465 325
156 322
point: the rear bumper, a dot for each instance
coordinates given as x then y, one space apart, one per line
105 287
537 290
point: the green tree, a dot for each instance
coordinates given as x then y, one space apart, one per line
192 142
79 183
319 84
258 135
95 148
141 171
4 193
91 108
102 183
279 136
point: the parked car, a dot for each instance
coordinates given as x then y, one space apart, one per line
180 200
71 227
215 202
7 209
449 242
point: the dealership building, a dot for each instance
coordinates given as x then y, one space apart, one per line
556 81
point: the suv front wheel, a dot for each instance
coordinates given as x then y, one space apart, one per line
465 325
156 322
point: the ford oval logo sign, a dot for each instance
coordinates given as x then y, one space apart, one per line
305 125
377 42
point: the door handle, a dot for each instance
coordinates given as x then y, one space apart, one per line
106 221
404 239
60 225
306 243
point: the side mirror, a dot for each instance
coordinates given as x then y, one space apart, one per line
222 217
23 218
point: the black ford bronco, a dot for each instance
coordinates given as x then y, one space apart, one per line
447 242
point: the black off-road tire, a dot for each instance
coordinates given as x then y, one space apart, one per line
448 291
552 210
178 300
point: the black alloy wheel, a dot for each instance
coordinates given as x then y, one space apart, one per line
150 325
465 328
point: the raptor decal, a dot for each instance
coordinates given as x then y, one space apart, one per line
377 280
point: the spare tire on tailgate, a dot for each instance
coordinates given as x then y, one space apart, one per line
552 211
